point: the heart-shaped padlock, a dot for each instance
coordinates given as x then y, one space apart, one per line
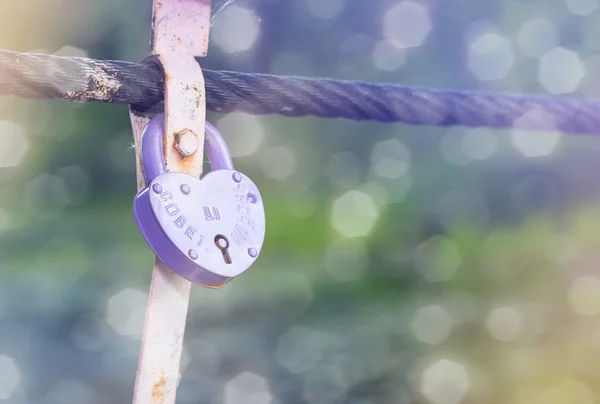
207 230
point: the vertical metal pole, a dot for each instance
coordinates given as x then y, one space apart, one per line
180 33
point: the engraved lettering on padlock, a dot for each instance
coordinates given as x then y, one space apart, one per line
214 215
190 232
200 241
166 196
237 238
180 222
172 209
239 235
248 221
243 209
242 230
241 198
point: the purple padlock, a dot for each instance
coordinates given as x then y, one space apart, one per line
207 230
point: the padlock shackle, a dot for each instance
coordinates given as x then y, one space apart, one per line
153 158
216 149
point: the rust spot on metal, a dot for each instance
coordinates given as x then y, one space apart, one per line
158 390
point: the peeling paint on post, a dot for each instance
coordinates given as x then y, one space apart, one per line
180 33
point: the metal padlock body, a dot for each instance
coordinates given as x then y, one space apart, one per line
181 216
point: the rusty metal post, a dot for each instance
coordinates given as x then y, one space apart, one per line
180 33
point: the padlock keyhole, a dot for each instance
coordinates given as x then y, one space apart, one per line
223 244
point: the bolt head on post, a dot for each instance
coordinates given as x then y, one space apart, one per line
187 142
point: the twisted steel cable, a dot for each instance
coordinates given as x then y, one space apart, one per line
141 85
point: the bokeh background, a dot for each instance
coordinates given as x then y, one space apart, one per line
401 265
